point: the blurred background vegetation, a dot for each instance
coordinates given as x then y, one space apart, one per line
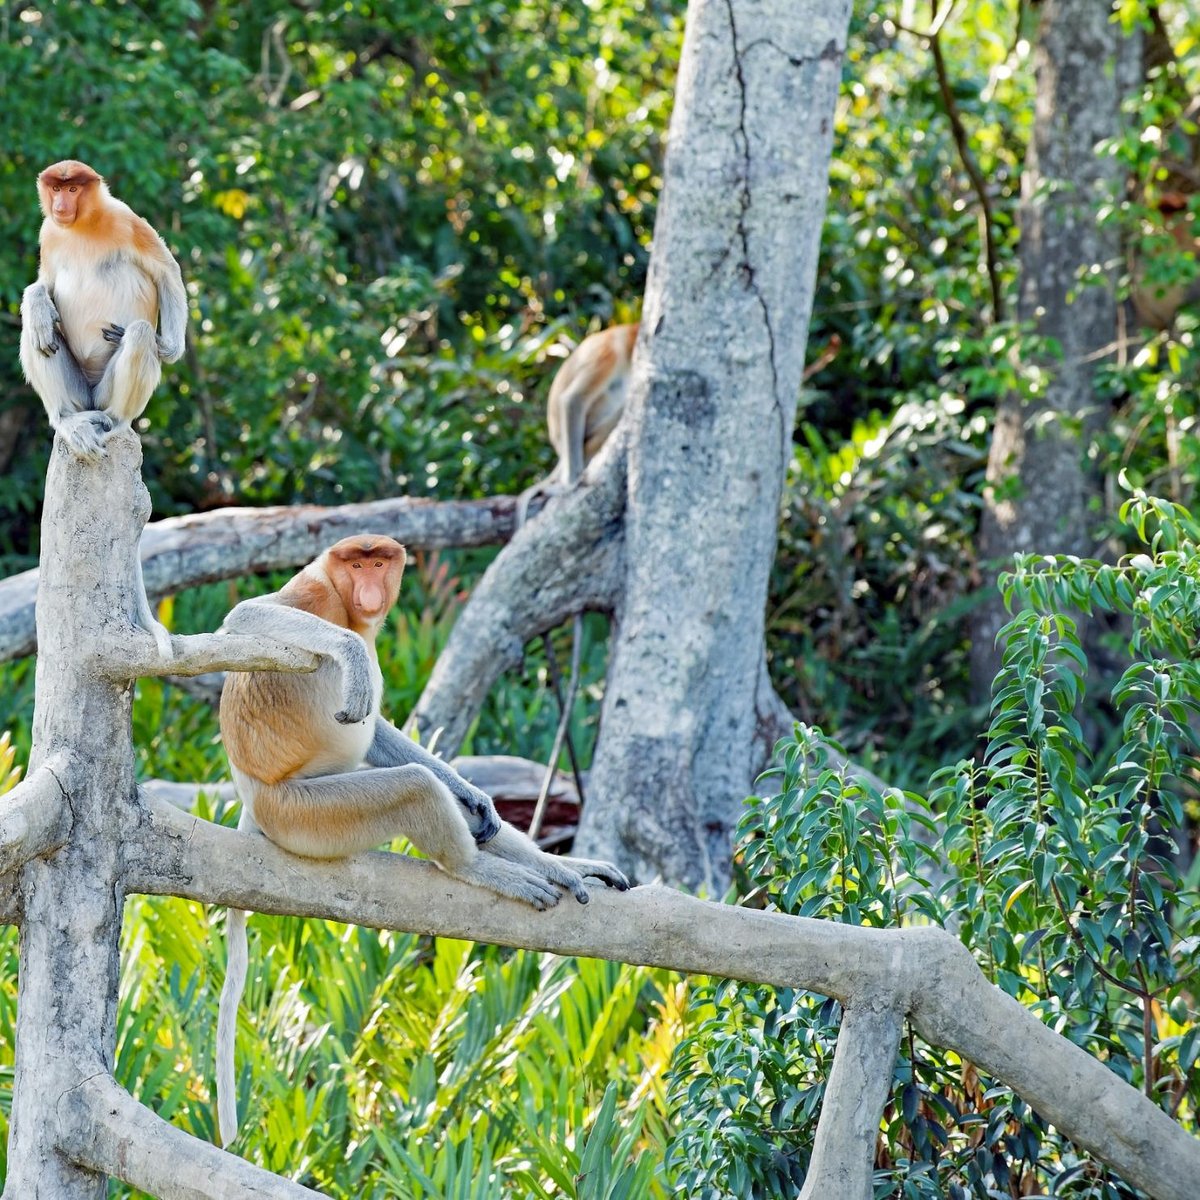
394 219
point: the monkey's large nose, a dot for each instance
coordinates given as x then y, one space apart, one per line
370 599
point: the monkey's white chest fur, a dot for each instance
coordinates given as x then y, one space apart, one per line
96 293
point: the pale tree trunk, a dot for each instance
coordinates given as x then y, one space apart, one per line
78 835
710 414
1042 495
79 802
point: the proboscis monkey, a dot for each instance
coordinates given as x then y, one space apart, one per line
1156 306
90 344
587 398
295 743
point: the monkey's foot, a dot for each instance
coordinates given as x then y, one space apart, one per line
597 869
85 433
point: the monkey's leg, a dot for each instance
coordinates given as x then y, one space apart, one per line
334 815
51 369
132 373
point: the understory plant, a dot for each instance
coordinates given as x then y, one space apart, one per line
1068 871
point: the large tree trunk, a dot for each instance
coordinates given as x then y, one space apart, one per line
1042 496
710 414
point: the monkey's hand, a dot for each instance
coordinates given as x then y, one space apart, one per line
85 433
482 818
113 334
41 319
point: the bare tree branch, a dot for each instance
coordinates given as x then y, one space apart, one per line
226 543
34 818
134 655
843 1158
562 562
106 1130
178 855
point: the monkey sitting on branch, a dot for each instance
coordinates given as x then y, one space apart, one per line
89 341
295 744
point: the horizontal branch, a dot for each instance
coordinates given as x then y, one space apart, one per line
34 818
227 543
176 854
106 1130
924 971
198 654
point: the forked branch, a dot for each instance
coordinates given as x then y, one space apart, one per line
106 1130
562 562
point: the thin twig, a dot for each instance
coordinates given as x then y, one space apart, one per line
978 183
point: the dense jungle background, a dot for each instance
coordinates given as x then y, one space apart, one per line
394 220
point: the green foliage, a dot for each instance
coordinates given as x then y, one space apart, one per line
389 1065
1060 870
380 210
865 637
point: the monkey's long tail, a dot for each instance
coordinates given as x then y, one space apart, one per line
231 995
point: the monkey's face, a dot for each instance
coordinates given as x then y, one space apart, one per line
65 190
62 202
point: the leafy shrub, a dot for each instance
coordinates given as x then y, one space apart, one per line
1062 872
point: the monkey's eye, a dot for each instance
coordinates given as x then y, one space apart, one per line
357 566
379 564
73 189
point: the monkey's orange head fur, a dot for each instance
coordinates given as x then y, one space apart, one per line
63 185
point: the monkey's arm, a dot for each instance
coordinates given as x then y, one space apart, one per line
391 748
268 616
39 319
172 295
172 312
